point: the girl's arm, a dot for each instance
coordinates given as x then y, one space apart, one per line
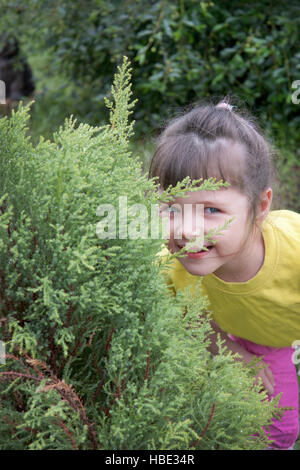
265 374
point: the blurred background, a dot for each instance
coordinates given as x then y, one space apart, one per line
63 54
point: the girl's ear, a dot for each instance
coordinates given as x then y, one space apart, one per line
264 204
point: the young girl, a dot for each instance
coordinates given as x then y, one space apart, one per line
252 270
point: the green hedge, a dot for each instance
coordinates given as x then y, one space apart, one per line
99 354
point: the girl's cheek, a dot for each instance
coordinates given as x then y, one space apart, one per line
171 245
172 229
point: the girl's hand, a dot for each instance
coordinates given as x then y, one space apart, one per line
265 374
267 378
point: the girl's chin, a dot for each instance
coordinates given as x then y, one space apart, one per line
197 269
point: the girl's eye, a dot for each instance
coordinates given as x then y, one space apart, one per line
211 210
169 210
173 209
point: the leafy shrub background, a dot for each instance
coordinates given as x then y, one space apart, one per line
100 355
181 51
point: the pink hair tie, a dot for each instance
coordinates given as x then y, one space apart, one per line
225 106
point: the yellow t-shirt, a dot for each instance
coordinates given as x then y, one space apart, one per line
266 308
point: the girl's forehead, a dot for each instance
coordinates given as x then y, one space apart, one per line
222 196
221 159
202 195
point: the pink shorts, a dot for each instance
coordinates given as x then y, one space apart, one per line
283 432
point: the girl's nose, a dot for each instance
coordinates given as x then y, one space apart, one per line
192 223
189 231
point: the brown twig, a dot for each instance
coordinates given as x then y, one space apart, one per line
19 374
100 385
68 394
193 444
108 345
62 425
77 345
148 365
66 391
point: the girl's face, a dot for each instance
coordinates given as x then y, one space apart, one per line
228 252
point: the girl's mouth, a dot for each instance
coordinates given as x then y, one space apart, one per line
199 254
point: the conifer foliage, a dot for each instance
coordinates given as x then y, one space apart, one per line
99 355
